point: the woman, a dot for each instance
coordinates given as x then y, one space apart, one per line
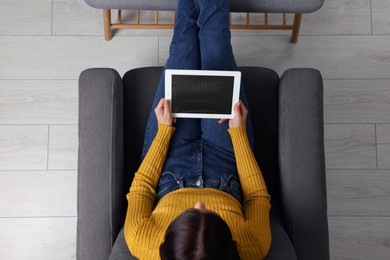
199 193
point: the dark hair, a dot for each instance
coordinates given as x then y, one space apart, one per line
198 235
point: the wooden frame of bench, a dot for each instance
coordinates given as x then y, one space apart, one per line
284 25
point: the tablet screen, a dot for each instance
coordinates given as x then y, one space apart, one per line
202 94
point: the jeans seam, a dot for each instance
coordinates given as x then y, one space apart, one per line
197 6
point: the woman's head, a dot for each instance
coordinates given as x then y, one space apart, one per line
198 234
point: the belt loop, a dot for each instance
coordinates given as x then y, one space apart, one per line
223 184
181 183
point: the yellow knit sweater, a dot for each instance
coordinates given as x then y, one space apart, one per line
146 222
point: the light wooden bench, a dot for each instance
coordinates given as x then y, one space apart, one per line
246 8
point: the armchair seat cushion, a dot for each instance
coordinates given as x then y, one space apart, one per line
254 6
120 251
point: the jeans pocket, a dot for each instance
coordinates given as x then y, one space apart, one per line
168 182
232 186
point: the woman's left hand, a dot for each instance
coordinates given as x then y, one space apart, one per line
240 116
163 112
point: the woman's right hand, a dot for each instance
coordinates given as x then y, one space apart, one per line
163 112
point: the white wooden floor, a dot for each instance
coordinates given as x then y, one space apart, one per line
45 44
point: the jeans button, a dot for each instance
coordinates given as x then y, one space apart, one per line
199 183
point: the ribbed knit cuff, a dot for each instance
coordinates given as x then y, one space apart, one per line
164 132
239 134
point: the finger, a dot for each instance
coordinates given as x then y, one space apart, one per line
244 110
244 113
243 107
240 105
166 107
221 121
160 104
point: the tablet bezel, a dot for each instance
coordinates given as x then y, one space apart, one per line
236 90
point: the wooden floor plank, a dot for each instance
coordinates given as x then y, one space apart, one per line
38 238
63 147
38 194
383 145
65 57
339 17
357 101
358 192
38 102
23 147
380 16
350 146
359 238
21 17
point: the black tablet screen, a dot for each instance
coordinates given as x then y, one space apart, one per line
202 94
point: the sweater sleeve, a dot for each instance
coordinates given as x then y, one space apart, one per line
142 191
256 203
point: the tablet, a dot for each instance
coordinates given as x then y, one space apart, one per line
202 93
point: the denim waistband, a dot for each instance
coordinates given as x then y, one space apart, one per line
199 165
228 183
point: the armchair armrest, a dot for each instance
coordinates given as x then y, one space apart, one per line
100 163
302 162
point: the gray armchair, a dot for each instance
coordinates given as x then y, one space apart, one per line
287 114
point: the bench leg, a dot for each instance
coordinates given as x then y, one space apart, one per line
297 27
107 24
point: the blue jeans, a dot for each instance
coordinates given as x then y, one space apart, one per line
201 152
